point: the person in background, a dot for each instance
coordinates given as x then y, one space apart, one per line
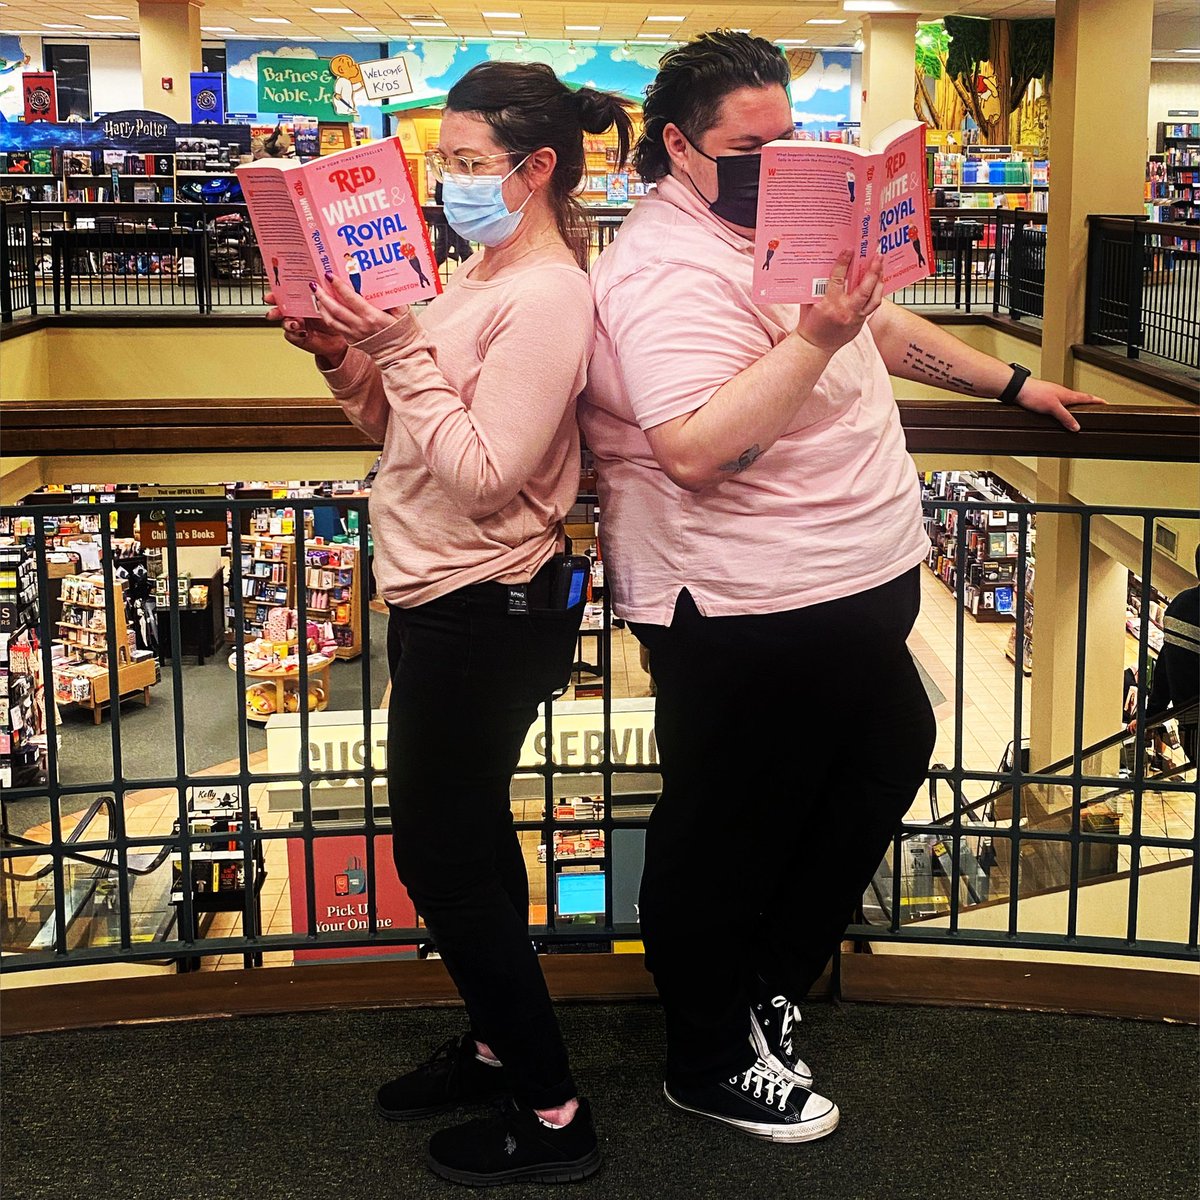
1175 684
480 467
761 523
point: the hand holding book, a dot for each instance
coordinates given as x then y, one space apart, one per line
836 319
310 336
345 313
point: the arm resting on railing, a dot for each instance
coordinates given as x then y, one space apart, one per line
916 349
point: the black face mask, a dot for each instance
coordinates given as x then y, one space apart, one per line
737 188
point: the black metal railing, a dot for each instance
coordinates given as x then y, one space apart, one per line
1143 289
204 258
584 790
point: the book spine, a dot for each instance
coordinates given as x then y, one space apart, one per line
317 237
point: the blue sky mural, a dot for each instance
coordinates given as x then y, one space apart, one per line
14 58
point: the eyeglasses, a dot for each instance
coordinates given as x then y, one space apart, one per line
440 165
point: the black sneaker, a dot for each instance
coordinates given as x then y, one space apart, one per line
760 1102
453 1077
773 1022
514 1146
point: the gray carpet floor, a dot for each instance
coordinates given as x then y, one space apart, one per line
936 1105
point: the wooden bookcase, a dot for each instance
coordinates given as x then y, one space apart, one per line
82 627
332 579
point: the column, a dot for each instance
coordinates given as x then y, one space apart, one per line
889 63
1098 105
170 46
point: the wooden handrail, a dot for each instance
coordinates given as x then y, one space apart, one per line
75 427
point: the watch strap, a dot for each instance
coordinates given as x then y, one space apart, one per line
1015 384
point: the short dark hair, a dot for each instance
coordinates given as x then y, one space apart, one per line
691 83
529 107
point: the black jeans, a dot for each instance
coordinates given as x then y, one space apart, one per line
466 681
791 744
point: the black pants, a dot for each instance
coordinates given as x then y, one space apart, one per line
791 744
466 681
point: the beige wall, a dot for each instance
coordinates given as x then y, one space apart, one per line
1172 85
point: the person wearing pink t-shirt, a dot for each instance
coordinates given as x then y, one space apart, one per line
762 527
473 399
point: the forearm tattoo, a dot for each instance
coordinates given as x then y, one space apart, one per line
743 460
940 373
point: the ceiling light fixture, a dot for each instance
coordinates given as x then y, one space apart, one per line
666 20
508 33
859 45
359 29
331 10
582 28
104 17
825 21
216 28
870 6
463 44
571 47
625 51
502 16
410 45
48 25
270 20
791 41
428 24
652 37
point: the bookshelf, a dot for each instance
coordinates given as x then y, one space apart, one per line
22 690
981 542
1173 173
83 677
332 579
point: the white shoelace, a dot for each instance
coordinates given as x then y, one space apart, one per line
761 1078
791 1017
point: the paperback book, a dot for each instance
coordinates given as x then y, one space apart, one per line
353 214
819 199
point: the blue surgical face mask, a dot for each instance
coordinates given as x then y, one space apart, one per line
475 208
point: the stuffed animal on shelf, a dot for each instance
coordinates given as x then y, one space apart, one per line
260 700
291 698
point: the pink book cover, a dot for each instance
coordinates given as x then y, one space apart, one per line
353 214
817 199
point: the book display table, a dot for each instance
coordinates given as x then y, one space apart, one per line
275 687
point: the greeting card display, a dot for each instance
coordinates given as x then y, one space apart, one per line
353 215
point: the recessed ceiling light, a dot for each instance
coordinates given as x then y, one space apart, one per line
502 16
360 29
331 10
427 24
583 28
825 21
791 41
216 28
870 6
48 25
666 20
652 37
1188 51
270 20
509 33
104 17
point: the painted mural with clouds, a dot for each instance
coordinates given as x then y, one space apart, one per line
241 68
822 91
15 58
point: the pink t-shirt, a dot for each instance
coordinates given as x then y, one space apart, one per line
473 399
831 509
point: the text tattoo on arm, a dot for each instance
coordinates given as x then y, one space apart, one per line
743 460
938 371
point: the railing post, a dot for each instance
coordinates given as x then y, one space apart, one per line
6 305
31 259
1091 285
1136 283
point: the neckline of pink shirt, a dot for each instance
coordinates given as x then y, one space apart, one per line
678 193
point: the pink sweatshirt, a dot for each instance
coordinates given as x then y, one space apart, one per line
473 399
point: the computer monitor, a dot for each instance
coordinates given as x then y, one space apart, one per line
580 895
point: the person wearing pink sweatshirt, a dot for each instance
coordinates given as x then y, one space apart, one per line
473 399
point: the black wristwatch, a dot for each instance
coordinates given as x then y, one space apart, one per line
1015 384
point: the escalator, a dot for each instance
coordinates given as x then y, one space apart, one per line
91 890
920 887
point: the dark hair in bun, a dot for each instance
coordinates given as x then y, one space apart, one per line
528 108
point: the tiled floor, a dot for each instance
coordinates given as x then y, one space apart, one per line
989 681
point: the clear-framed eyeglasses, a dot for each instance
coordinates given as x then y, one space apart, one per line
440 165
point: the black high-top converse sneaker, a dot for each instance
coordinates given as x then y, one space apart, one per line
514 1146
773 1024
760 1102
452 1077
